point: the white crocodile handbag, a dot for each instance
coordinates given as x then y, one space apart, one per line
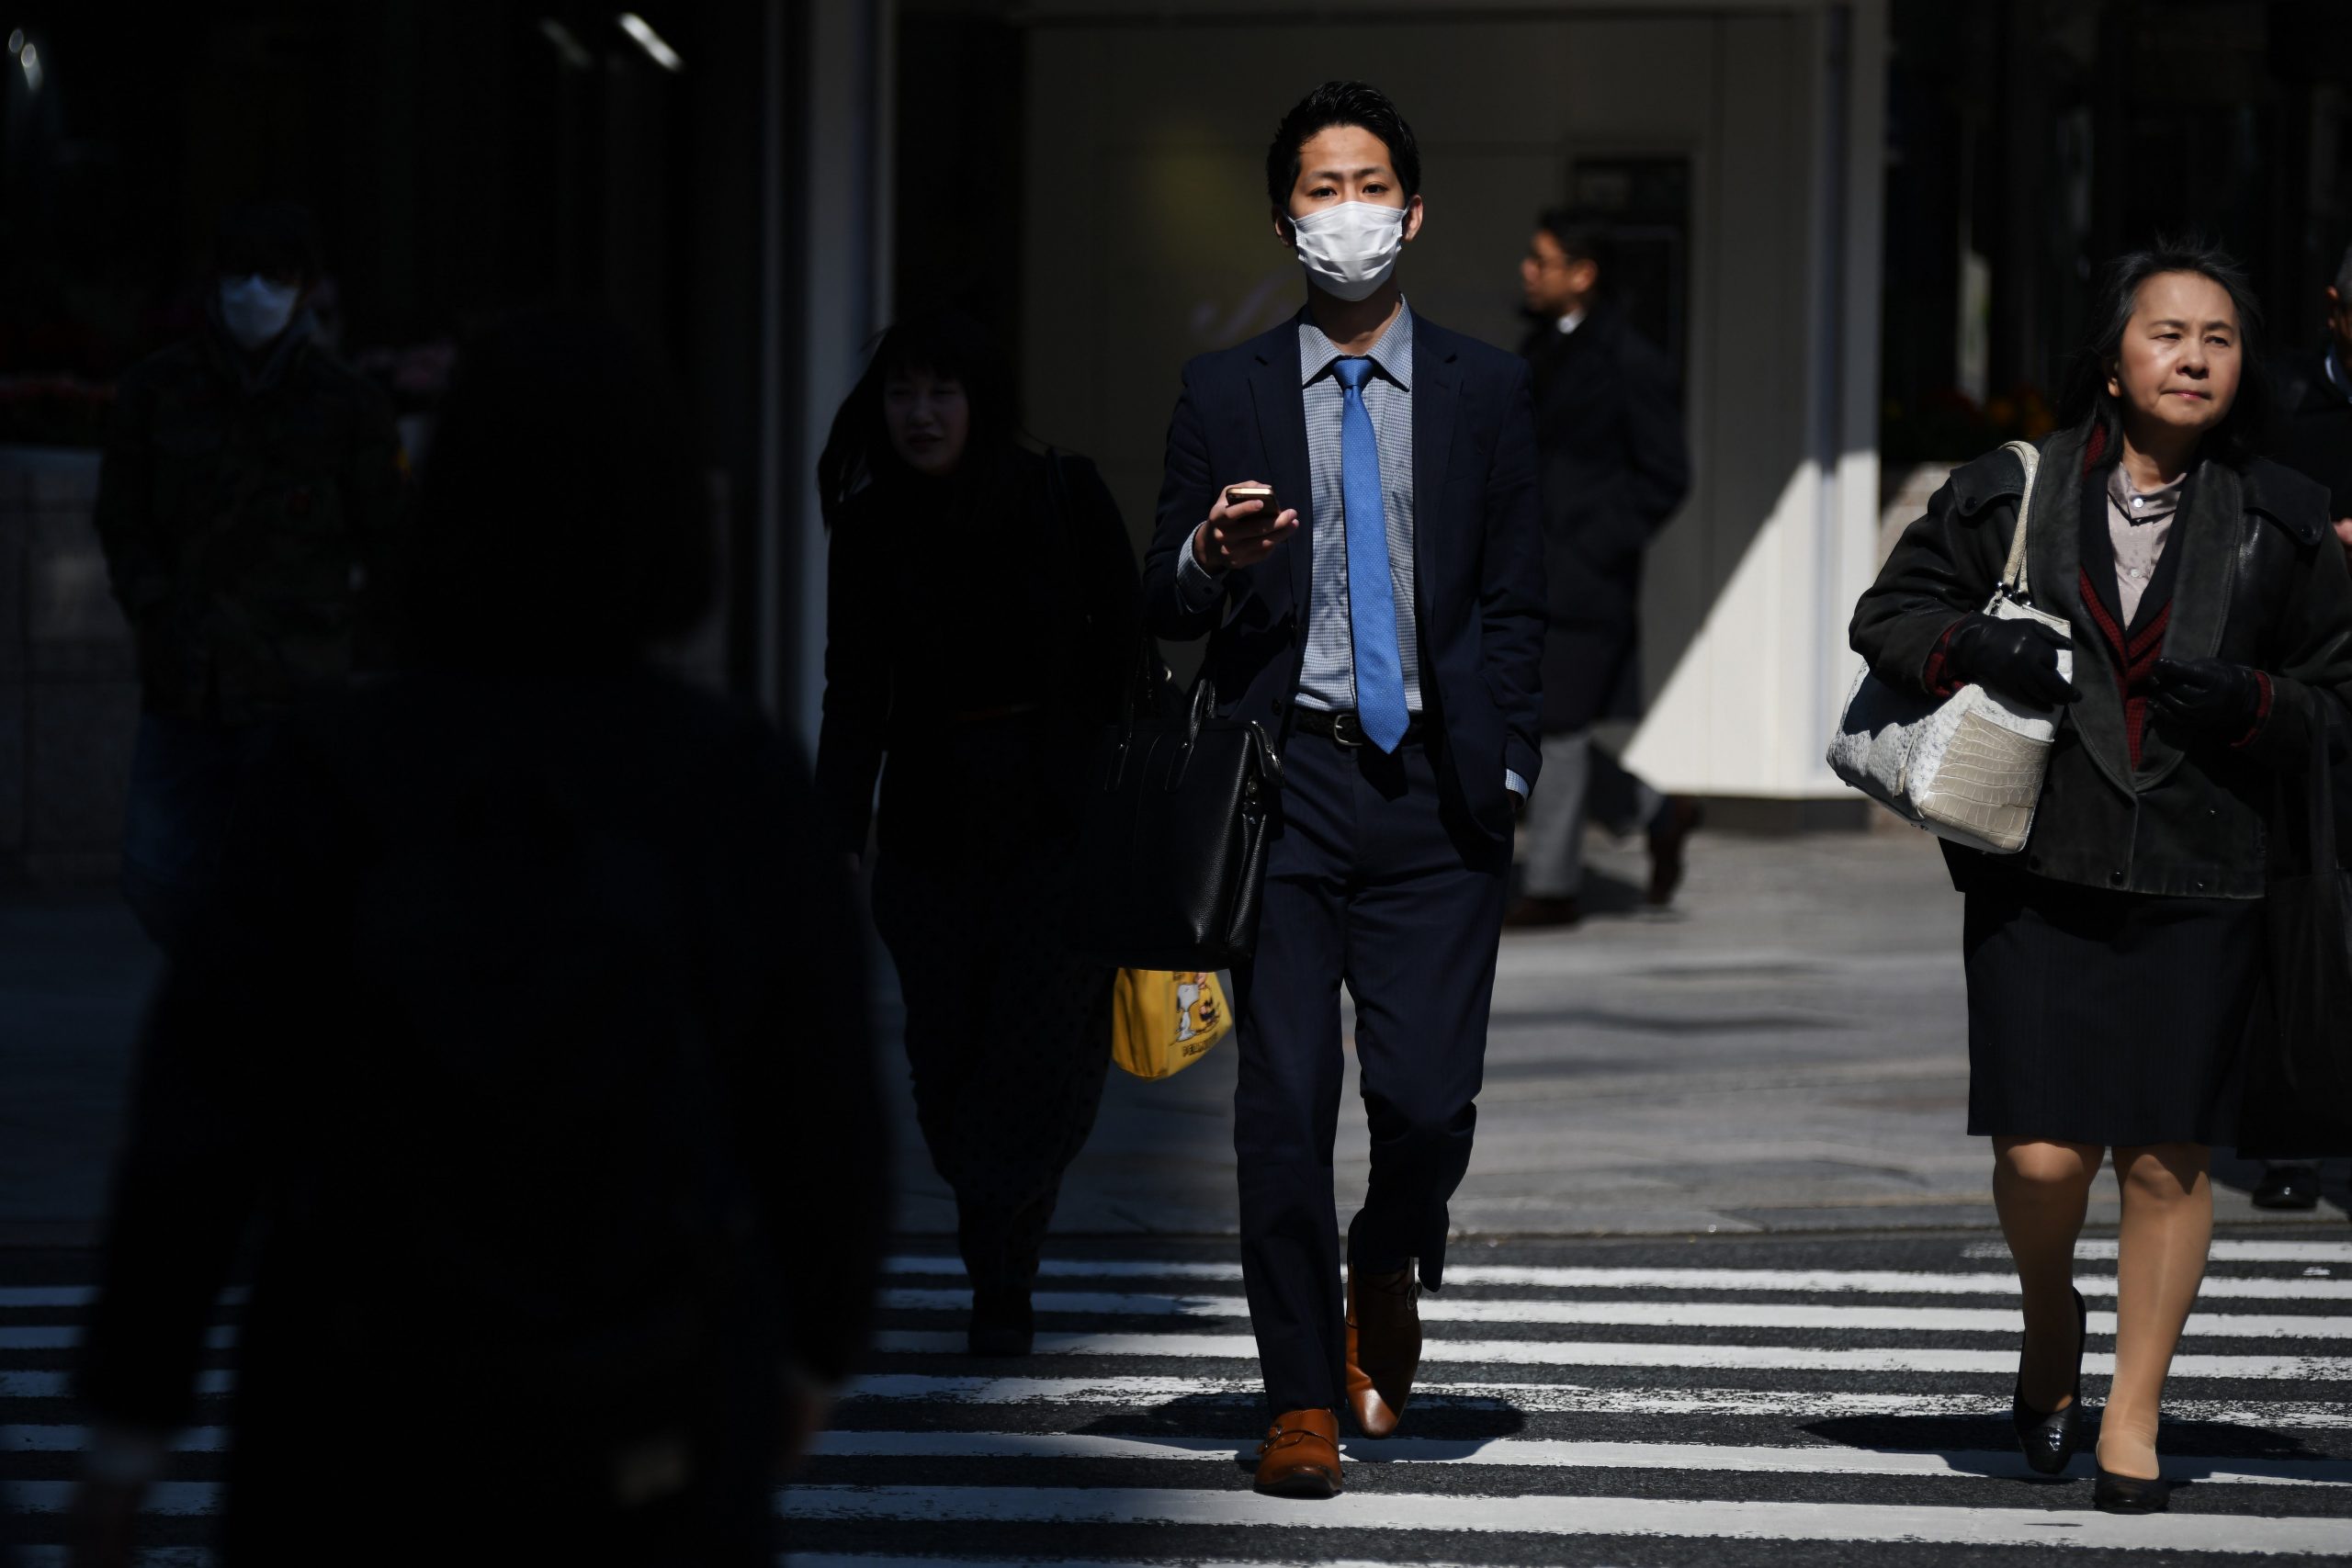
1968 767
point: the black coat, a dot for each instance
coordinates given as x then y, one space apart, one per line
529 1041
1477 567
914 641
2259 581
1614 466
2313 434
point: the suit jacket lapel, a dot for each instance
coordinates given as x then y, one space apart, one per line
2204 540
1281 435
2054 556
1436 390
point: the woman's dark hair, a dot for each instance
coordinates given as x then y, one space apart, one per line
1340 103
2085 402
560 520
946 342
266 237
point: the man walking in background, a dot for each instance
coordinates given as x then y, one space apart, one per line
1348 514
249 482
1614 466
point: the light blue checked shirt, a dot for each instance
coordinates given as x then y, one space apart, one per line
1327 677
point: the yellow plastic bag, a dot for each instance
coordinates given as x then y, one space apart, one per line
1163 1020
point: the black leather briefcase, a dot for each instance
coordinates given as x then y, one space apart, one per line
1173 845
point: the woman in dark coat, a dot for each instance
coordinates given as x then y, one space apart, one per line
528 1038
2112 967
983 622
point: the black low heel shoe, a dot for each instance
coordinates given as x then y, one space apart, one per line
1002 1325
2131 1494
2050 1440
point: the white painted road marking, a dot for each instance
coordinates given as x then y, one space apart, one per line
1654 1314
1575 1516
1549 1454
1555 1353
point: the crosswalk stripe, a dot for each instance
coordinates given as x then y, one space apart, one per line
1645 1315
1529 1398
1546 1398
1647 1517
1868 1281
1557 1454
1653 1315
2094 1250
1862 1282
65 1337
51 1439
1535 1454
1540 1352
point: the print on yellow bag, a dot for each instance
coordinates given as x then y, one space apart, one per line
1163 1020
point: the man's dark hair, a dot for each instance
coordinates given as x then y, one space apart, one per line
1583 233
2085 403
946 342
266 237
1340 103
560 518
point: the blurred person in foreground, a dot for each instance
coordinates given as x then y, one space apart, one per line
2313 435
2115 964
250 485
1382 615
527 1049
1614 465
986 693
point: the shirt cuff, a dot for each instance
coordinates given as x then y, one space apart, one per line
1197 586
1513 783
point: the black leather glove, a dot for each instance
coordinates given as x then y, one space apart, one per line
2209 699
2017 659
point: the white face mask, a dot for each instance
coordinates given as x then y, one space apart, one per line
1351 249
255 309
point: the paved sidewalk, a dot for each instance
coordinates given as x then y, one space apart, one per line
1786 1053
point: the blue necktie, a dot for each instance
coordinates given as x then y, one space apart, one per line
1372 601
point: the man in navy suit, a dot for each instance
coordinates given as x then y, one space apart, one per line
1381 613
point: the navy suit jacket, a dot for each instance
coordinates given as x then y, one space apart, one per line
1477 548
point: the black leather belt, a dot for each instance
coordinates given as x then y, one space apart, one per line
1344 728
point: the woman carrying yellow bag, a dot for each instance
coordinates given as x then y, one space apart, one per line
1162 1021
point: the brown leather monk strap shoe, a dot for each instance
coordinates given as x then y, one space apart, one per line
1300 1455
1384 1346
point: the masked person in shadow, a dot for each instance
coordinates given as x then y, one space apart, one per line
526 1043
2114 964
251 484
978 695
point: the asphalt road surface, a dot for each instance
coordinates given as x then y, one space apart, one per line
1709 1401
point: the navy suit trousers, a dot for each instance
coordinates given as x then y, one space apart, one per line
1370 882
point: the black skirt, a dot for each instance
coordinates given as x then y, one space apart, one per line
2107 1018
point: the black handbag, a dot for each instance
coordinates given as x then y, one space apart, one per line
1172 847
2299 1077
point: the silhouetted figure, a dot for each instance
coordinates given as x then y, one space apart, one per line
250 484
984 616
529 1042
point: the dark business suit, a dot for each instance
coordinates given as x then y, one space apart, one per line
1615 466
1387 870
